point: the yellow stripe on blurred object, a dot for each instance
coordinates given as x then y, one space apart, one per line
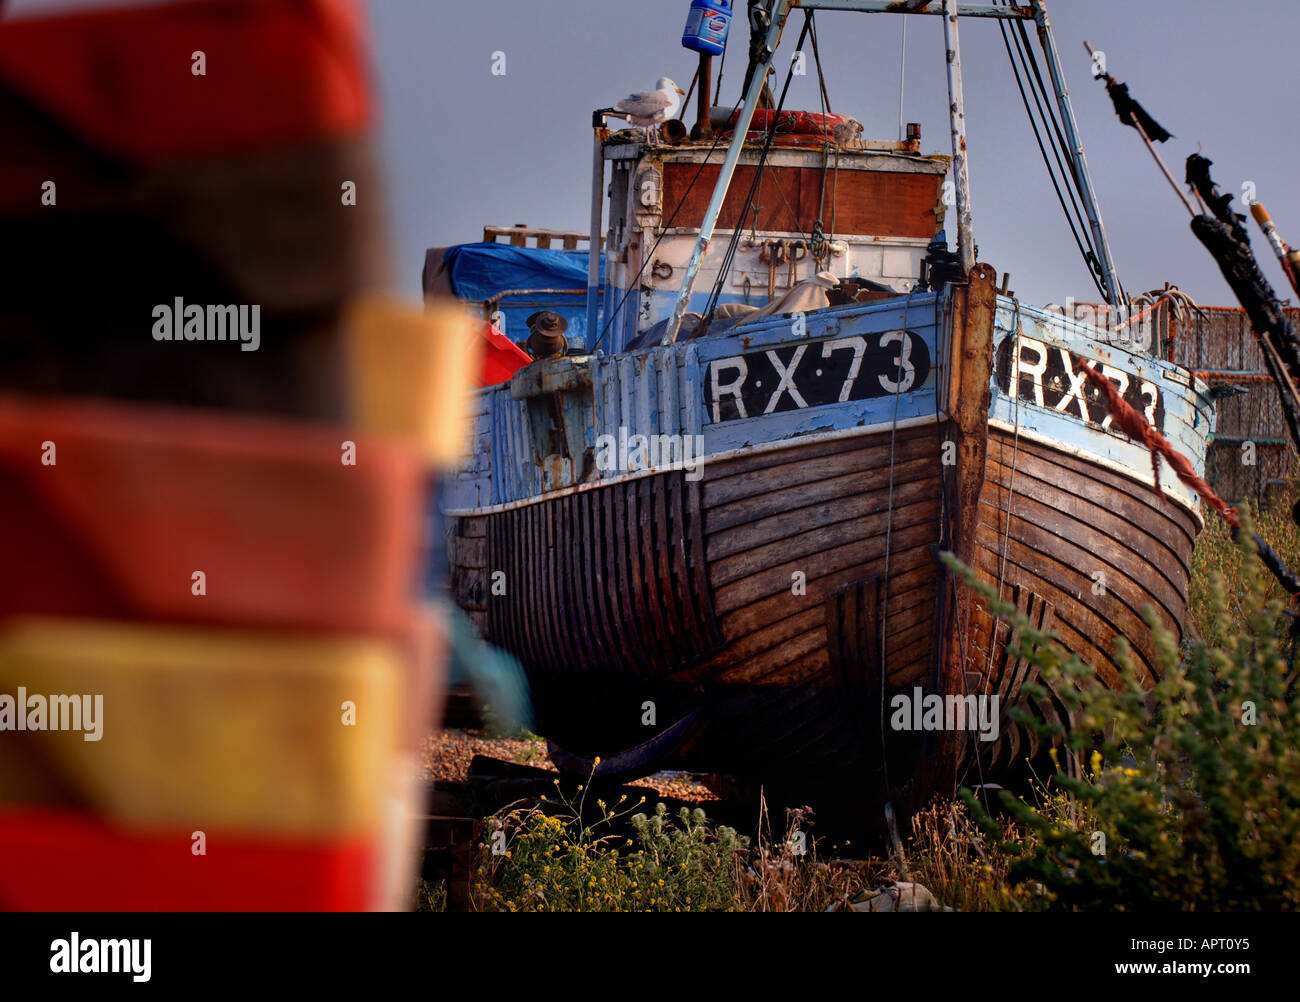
411 371
207 728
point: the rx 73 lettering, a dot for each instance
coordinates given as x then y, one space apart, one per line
814 374
1045 375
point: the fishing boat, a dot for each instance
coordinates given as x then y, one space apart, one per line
712 534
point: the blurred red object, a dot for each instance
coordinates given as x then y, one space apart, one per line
273 74
502 358
134 499
74 861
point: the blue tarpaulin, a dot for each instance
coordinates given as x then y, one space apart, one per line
480 271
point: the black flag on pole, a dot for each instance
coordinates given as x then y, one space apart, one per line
1132 113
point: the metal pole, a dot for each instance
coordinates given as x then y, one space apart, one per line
703 130
1010 12
1083 180
1285 255
957 121
902 65
728 169
593 239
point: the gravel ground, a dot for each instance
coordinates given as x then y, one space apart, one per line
447 755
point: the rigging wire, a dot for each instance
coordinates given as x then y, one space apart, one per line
1049 115
819 231
904 346
1063 148
1084 243
717 87
817 238
734 242
609 320
902 66
817 59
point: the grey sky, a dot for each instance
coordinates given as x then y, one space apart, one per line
465 148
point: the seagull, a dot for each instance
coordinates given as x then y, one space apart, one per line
847 131
652 107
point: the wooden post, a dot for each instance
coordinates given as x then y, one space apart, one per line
973 312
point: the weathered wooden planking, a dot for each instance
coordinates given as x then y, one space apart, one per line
782 603
822 492
862 546
681 590
755 548
1103 490
1153 528
602 566
467 558
1048 521
1058 539
1007 674
883 204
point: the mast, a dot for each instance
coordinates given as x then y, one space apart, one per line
728 169
949 10
957 125
593 238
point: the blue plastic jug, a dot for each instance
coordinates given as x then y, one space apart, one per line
707 26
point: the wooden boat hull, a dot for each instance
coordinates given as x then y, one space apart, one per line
759 620
748 618
1084 551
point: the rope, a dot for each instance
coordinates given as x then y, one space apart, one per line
1135 426
889 528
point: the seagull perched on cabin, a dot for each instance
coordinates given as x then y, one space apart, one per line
652 107
847 131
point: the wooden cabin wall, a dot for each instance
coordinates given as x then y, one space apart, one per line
883 204
1222 341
